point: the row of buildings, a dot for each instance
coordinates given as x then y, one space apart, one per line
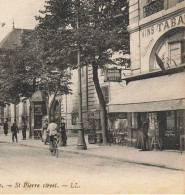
157 28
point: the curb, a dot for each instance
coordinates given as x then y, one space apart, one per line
105 157
124 160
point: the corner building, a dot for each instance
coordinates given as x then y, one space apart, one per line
157 29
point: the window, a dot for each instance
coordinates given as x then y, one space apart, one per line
74 118
175 53
172 51
102 72
83 71
105 92
152 7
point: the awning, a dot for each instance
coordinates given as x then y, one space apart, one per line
154 94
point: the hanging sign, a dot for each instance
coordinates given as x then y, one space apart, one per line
113 75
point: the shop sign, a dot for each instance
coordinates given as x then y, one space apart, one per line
163 26
113 75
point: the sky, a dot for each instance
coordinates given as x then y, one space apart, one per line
22 12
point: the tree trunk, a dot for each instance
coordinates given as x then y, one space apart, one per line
103 111
50 106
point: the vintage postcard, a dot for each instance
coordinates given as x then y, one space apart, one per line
92 96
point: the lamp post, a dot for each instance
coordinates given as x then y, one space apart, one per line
81 145
60 121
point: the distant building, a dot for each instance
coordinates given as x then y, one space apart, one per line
9 111
90 102
157 31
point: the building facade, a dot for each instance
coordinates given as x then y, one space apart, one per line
90 102
157 36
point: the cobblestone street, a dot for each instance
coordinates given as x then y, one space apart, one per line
22 166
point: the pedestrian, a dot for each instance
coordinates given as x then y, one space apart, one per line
24 127
14 130
52 130
142 141
6 128
44 131
63 133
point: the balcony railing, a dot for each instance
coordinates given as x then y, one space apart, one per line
153 7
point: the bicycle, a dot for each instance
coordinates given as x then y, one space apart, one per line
53 145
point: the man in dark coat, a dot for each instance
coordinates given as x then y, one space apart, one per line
6 128
63 133
14 130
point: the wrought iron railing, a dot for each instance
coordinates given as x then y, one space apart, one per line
153 7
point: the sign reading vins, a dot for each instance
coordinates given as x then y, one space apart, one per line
113 75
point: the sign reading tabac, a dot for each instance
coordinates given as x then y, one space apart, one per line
164 25
113 75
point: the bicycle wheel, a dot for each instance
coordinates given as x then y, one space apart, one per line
52 149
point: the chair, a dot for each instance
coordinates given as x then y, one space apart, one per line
38 134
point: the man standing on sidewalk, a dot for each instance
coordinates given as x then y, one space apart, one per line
14 130
6 128
63 133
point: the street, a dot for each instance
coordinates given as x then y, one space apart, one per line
25 169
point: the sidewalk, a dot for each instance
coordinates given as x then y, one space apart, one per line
163 159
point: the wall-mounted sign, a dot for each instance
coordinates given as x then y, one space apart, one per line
163 26
113 75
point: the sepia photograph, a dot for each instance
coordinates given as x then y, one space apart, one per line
92 96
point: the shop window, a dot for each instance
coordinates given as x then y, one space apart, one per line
105 91
180 122
170 121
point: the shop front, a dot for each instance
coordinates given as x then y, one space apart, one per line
161 102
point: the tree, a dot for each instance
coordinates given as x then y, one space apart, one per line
30 66
106 27
102 33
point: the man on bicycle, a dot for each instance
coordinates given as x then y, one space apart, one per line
52 130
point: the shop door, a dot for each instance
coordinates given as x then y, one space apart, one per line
171 134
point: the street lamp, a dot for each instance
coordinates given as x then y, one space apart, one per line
81 145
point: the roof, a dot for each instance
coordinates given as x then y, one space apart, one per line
161 90
13 39
38 96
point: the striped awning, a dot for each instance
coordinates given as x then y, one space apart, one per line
153 94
